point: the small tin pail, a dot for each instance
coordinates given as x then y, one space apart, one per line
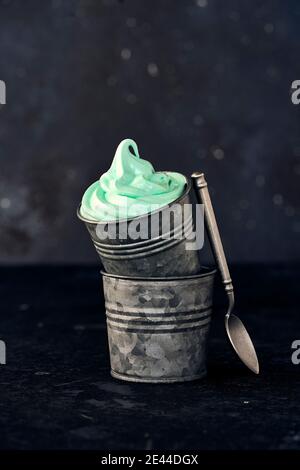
157 327
165 254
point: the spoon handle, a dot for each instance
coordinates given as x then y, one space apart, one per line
202 193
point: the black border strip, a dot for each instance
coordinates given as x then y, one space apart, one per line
93 459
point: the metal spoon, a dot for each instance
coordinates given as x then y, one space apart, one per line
236 331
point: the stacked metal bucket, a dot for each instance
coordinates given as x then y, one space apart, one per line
158 299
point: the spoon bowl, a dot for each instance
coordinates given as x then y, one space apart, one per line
241 342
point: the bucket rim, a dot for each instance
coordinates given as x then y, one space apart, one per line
209 272
187 189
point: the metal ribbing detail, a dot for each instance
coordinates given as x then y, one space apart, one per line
177 328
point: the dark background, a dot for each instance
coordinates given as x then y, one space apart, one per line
199 85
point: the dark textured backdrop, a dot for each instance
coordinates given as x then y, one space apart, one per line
199 84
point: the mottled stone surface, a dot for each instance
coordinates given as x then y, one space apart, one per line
56 390
200 85
158 330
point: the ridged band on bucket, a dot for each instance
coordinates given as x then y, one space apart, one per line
166 254
169 240
178 230
158 328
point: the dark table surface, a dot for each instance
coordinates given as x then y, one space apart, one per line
56 390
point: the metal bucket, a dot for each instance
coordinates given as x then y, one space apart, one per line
165 254
158 328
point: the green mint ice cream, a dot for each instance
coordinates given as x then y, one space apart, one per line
130 187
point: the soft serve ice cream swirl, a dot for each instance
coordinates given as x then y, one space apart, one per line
130 187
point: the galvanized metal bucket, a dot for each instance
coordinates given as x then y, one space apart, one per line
164 254
158 327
